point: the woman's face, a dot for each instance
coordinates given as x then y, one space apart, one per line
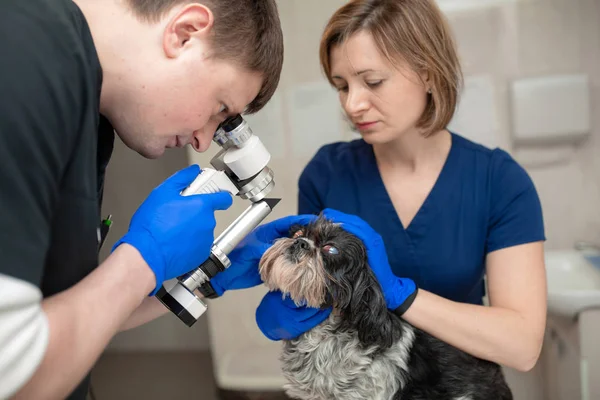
383 101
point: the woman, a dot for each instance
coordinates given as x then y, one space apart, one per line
449 211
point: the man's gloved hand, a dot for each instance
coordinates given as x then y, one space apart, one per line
243 272
399 292
279 318
174 233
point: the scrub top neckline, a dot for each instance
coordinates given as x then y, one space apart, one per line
428 209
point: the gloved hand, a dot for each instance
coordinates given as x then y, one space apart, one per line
243 271
174 233
398 292
279 318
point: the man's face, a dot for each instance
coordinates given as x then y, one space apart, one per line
174 94
186 109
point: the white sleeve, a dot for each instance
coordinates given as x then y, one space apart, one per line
24 333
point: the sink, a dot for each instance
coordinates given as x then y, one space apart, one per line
573 282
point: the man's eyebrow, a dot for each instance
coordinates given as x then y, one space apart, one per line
362 71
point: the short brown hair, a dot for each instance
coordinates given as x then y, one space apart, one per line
247 32
413 31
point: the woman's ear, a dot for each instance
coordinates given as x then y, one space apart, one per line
427 82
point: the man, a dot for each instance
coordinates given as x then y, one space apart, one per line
159 73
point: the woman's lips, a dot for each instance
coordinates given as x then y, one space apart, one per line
365 125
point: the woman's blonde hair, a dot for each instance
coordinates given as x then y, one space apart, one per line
411 31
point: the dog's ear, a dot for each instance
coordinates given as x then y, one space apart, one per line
361 299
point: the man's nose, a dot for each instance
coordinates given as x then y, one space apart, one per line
200 135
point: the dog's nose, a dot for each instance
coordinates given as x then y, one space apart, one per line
301 244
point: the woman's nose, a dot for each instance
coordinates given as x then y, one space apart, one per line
356 101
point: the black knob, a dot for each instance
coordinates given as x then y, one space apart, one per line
232 122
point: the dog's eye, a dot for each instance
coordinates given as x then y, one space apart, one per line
298 234
330 249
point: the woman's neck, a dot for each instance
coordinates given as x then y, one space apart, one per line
413 151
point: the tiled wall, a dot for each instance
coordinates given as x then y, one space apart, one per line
564 37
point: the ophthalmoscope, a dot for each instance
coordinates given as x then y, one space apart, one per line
240 167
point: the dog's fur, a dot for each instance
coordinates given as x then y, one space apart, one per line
363 350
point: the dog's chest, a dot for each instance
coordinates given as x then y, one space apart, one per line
326 363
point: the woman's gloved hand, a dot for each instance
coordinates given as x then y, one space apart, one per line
279 318
243 272
174 233
399 292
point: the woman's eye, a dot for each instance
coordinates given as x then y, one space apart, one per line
330 249
374 83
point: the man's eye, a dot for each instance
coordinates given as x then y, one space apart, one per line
223 108
330 249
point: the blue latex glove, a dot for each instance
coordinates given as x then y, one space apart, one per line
398 292
279 318
174 233
243 272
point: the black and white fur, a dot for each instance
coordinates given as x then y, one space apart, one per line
363 350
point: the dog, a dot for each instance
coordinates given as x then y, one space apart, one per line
363 350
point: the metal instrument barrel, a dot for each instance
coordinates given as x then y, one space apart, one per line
242 226
194 279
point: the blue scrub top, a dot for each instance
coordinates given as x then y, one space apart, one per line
482 201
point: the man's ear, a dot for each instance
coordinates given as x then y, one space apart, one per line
190 23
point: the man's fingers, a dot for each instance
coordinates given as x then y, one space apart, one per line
182 178
219 200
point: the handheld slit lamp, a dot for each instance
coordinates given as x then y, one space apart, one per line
240 167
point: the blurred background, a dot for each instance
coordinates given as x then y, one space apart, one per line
532 87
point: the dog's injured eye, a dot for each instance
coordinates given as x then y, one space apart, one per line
330 249
298 234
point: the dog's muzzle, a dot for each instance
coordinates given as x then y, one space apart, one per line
295 267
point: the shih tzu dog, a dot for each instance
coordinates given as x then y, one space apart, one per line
363 350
